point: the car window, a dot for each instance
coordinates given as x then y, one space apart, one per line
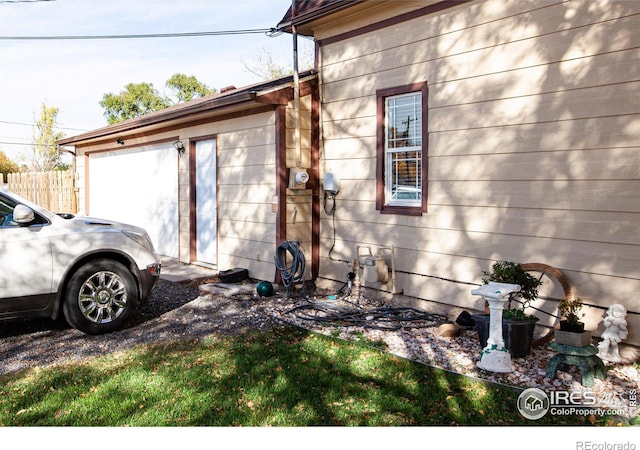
6 212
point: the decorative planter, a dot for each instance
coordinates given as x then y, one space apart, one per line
573 339
517 334
573 327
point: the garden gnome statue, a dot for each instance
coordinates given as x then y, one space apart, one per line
495 357
615 330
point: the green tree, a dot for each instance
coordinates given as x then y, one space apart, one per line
186 88
138 99
135 100
6 166
45 154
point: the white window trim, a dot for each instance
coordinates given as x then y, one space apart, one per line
389 175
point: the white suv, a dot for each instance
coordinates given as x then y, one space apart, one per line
93 272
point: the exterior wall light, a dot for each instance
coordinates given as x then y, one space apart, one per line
179 146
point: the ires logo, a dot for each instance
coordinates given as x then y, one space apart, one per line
564 398
534 403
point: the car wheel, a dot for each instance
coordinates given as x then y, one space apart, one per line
100 296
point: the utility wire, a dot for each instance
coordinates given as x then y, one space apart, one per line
25 1
26 144
33 125
268 31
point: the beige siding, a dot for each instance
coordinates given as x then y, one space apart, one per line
298 202
80 183
533 151
246 187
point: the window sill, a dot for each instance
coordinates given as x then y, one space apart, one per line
402 210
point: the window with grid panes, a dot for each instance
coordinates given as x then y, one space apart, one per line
402 156
403 149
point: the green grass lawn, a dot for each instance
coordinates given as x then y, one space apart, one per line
285 377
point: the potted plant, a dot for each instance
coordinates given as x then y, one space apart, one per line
517 325
569 309
572 330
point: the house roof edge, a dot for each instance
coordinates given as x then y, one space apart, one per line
312 12
247 94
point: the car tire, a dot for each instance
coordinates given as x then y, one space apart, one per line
100 296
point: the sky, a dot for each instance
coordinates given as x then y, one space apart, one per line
73 75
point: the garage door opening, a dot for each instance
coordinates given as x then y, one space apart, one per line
138 186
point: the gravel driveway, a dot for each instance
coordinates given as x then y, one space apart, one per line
174 311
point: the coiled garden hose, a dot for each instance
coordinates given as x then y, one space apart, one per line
295 272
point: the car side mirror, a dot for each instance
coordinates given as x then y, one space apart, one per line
23 215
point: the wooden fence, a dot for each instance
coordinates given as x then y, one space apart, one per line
53 190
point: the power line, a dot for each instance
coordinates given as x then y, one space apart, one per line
33 125
25 140
32 144
25 1
267 31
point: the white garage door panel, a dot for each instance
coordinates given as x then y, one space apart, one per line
138 186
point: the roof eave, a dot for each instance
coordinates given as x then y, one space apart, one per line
162 116
305 18
248 96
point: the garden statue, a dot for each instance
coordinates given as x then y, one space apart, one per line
615 330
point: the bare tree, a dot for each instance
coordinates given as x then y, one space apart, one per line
267 67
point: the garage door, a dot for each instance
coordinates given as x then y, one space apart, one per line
138 186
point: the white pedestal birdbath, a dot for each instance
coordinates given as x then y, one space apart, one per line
495 357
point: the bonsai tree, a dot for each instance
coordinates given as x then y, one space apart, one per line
513 273
569 309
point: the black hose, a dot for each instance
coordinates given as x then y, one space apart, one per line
389 319
297 271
